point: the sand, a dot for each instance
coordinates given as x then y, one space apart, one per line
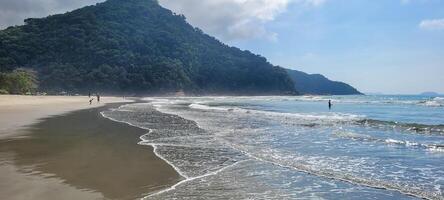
48 152
16 111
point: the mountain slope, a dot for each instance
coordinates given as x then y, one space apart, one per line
319 85
134 46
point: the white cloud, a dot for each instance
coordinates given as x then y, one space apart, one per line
13 12
432 24
226 19
234 19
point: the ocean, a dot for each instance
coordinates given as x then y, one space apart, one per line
294 147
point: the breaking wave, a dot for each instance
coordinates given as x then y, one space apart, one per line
389 141
315 119
412 127
201 141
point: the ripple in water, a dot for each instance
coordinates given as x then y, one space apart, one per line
239 153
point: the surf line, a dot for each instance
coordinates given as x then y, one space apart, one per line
193 178
143 140
155 147
337 176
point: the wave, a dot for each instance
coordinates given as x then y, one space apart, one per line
299 165
428 147
389 141
191 179
205 107
433 102
436 148
142 138
176 146
412 127
319 117
381 100
190 151
315 119
327 172
354 136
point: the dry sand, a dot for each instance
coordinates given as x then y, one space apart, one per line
16 111
73 155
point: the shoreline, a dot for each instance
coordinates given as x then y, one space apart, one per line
80 148
150 145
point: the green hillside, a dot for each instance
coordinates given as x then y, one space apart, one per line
134 46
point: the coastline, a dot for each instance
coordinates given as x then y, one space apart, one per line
66 150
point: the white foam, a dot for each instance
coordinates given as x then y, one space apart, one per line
193 178
401 142
436 148
437 101
282 163
205 107
354 136
428 147
393 141
332 117
343 176
155 146
389 141
143 142
434 102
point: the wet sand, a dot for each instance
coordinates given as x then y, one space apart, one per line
80 155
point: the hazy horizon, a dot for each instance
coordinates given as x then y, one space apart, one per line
390 47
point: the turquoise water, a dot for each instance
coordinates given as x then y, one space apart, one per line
366 147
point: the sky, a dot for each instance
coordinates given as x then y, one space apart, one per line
387 46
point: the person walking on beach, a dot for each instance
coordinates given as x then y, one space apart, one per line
98 98
329 104
91 101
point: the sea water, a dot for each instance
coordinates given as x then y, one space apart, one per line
294 147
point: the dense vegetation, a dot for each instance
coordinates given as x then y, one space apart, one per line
319 85
18 82
133 46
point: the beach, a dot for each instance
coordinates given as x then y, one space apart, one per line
269 147
19 111
63 148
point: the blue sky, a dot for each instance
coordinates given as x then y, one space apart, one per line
377 46
389 46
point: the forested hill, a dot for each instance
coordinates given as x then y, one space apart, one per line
134 46
319 85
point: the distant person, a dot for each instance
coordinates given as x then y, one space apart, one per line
89 94
91 101
329 104
98 98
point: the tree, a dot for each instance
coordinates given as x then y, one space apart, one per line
20 81
136 46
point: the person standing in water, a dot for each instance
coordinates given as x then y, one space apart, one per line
329 104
